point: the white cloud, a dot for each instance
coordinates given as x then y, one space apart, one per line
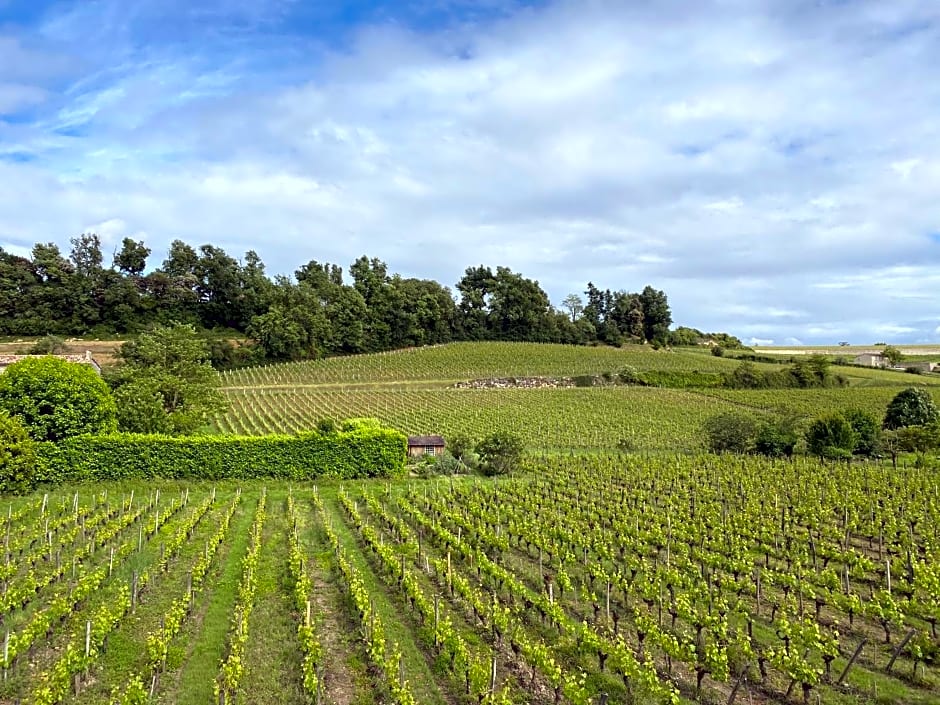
772 165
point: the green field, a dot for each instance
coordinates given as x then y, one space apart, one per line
654 581
412 390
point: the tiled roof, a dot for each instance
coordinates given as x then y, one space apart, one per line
426 441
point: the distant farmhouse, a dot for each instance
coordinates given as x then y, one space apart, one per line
878 360
425 445
86 359
871 360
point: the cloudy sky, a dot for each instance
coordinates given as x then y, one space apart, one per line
773 165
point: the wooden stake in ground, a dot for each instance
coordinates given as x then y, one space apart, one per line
848 666
899 648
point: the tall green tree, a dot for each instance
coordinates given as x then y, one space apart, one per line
475 287
657 317
867 432
166 383
131 259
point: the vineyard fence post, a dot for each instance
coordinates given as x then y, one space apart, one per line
848 666
899 648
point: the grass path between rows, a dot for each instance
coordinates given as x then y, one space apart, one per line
126 652
273 656
344 672
205 635
393 613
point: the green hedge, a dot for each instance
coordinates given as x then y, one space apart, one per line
360 448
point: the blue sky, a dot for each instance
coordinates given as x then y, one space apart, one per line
773 165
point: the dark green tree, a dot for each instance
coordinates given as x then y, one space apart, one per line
867 432
166 383
657 317
911 407
19 287
475 287
831 436
518 308
500 452
55 399
730 432
131 259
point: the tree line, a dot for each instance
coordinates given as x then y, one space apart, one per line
315 312
911 423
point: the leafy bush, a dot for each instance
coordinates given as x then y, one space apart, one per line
361 448
326 425
831 436
500 452
55 399
17 457
777 437
730 432
629 375
48 345
910 407
867 432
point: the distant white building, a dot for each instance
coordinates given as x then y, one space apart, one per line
870 360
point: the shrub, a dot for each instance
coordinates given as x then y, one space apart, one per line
718 351
629 375
910 407
48 345
730 432
56 399
778 437
326 425
17 457
867 432
500 452
831 436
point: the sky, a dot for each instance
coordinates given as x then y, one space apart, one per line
773 165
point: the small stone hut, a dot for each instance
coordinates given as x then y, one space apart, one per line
426 445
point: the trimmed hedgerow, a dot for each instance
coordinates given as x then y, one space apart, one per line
358 448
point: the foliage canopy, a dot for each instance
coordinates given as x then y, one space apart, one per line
167 384
910 407
55 399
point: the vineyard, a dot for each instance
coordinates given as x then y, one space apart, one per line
412 390
601 579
